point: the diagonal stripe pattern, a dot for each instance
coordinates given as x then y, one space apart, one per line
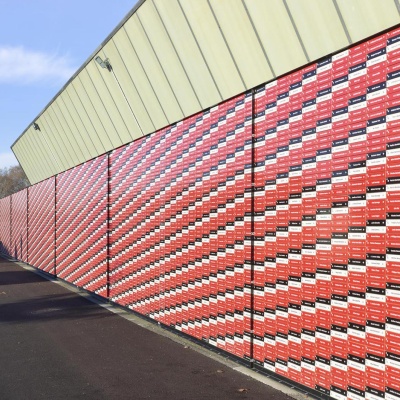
82 225
42 225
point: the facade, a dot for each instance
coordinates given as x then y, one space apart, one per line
170 60
266 225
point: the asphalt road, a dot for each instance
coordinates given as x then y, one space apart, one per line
55 344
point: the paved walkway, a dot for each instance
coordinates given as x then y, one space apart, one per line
55 344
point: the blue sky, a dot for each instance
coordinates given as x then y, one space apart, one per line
42 43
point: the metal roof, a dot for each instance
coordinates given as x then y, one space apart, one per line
171 59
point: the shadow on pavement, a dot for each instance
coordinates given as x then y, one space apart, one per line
18 277
48 308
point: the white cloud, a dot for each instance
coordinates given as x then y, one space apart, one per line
23 66
7 160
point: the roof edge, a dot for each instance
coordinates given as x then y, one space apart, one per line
88 60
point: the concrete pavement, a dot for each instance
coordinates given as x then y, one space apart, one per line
55 344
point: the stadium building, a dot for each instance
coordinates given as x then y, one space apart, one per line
231 169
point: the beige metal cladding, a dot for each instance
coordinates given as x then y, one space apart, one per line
171 59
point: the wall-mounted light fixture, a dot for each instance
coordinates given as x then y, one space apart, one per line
36 126
103 63
106 64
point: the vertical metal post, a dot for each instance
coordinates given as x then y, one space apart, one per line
55 225
108 222
27 225
253 139
10 240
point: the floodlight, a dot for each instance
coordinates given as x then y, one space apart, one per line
103 63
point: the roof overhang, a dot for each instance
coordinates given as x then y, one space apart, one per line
171 59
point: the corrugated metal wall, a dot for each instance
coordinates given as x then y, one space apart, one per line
5 226
267 226
19 225
41 226
82 209
171 59
178 234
